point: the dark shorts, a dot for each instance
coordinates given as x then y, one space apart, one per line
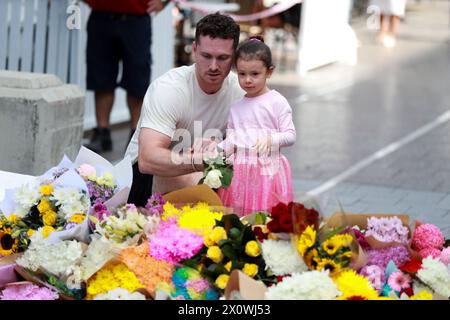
141 188
114 38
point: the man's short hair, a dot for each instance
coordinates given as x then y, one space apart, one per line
217 25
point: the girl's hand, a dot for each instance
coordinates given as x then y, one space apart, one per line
264 145
154 6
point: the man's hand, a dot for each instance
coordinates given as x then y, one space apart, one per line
264 145
154 6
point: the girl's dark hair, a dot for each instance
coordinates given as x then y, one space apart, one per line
254 48
217 25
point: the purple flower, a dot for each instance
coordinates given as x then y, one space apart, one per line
155 204
27 292
381 257
375 274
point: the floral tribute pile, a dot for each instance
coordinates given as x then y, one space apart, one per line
66 239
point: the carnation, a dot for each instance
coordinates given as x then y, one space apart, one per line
387 229
436 275
27 291
309 285
282 258
381 257
427 235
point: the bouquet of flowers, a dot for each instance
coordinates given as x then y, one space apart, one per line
58 206
218 170
230 245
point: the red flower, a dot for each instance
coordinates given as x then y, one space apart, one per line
285 222
273 226
260 234
279 209
303 217
409 292
412 266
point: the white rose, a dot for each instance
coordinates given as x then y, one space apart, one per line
212 180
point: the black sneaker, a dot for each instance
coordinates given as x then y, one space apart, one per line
101 140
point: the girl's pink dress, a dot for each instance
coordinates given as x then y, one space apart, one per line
259 181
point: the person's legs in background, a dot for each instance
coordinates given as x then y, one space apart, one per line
135 105
101 139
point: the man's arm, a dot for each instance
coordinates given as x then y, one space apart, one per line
156 158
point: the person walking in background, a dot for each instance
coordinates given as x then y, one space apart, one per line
258 126
391 11
118 31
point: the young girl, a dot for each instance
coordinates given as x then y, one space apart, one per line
258 126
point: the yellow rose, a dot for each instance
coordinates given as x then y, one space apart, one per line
30 232
215 254
228 266
250 269
43 206
222 281
218 234
47 230
49 218
77 218
46 190
252 249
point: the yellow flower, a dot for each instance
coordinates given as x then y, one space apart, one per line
77 218
207 239
44 206
347 254
46 190
49 218
222 281
199 219
311 259
250 269
422 295
345 239
307 240
228 266
218 233
169 211
252 249
329 265
331 245
215 254
352 284
13 218
30 232
47 230
8 245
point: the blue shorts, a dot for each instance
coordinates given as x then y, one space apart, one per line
114 38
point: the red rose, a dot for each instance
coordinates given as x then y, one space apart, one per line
412 266
279 209
260 234
273 226
285 222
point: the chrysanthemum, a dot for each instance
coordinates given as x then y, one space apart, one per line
353 285
398 281
427 235
8 245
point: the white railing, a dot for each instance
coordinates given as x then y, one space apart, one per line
34 37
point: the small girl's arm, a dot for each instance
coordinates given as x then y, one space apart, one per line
287 134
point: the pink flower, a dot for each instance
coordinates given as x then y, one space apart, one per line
375 274
427 235
27 291
398 281
435 253
86 170
445 256
198 285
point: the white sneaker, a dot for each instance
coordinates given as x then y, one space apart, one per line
389 42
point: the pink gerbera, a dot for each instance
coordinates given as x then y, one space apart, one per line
398 281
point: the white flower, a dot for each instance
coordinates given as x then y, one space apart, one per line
435 274
120 294
282 258
310 285
212 179
27 196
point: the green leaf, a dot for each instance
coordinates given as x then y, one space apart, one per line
227 176
334 232
229 252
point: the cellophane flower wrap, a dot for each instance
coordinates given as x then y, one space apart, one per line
218 170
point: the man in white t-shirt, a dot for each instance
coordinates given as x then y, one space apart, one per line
183 106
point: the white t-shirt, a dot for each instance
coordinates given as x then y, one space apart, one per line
176 106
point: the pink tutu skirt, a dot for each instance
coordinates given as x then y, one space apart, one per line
258 184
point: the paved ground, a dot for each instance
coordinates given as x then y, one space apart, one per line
369 137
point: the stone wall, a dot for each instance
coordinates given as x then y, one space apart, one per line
41 119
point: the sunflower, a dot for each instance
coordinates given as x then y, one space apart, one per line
330 265
353 285
311 259
8 245
331 245
307 240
